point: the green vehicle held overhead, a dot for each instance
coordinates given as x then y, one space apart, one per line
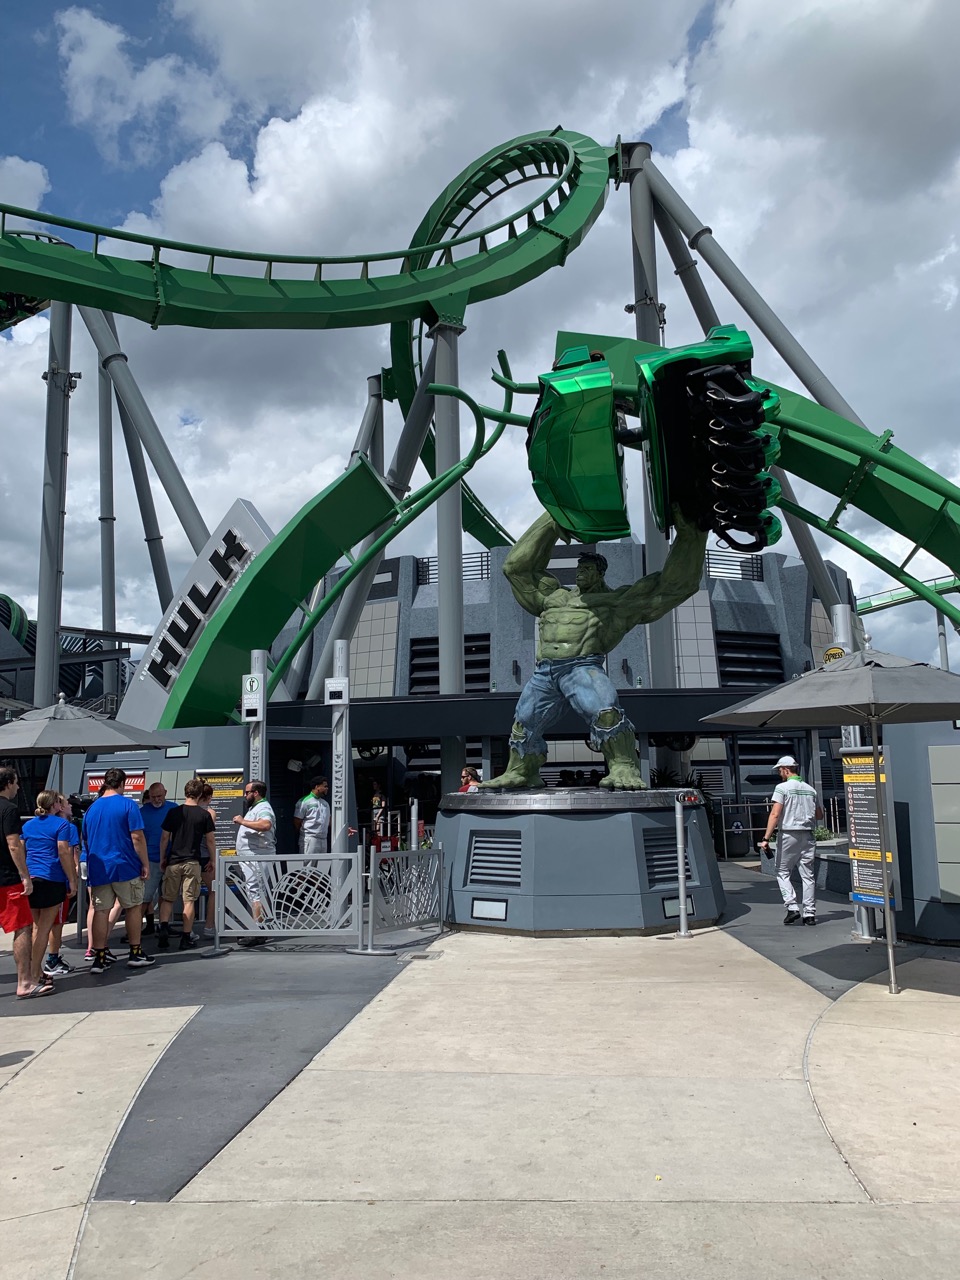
707 448
702 429
575 458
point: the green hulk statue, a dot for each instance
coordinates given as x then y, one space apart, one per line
578 628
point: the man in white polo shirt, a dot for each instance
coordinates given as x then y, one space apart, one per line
793 815
256 833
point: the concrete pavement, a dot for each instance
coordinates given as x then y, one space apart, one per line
610 1107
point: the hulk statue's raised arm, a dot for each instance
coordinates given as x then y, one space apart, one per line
525 568
578 628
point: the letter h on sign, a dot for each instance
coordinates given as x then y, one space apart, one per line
187 621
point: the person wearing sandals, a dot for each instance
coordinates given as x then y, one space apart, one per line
15 883
50 861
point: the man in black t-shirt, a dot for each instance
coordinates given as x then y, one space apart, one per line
186 840
15 883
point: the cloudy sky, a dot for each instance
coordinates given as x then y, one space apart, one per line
821 144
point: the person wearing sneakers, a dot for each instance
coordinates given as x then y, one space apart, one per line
186 840
117 867
55 966
153 810
793 815
256 833
53 871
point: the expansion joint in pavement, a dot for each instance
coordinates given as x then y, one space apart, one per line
37 1054
816 1106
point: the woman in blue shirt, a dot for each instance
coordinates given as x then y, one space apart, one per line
51 865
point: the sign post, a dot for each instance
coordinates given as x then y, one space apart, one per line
253 708
872 869
336 694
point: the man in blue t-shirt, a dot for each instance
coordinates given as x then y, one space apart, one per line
154 809
117 867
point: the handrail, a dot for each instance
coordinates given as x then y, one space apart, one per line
904 595
158 243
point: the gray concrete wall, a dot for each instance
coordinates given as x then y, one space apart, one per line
780 605
924 913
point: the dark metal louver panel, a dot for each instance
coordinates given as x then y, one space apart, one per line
660 856
713 776
425 664
749 660
495 858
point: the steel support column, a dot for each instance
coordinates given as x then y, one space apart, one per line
148 512
675 219
53 504
661 634
108 524
942 641
115 363
816 566
700 239
685 269
449 546
415 428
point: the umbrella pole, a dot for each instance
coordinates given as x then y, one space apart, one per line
884 869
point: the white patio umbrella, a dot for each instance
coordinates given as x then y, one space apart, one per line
867 688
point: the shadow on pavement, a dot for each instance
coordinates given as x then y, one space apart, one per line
825 957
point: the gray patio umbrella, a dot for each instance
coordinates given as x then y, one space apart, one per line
64 730
867 688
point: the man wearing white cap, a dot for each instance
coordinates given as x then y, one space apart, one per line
793 815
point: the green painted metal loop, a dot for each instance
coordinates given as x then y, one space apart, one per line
586 185
37 267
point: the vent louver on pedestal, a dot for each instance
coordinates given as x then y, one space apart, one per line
495 859
660 856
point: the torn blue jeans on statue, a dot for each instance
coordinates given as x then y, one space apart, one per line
580 682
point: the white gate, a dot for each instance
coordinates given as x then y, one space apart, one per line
406 890
319 899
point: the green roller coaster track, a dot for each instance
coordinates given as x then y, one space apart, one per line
446 266
904 595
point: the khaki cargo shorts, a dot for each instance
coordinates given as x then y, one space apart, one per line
129 893
181 880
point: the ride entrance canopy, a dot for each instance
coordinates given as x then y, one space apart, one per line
718 439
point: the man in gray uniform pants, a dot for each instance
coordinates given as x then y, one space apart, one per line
793 815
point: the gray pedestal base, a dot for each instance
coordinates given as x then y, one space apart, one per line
574 861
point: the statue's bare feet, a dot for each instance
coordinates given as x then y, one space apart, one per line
511 782
623 776
522 773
